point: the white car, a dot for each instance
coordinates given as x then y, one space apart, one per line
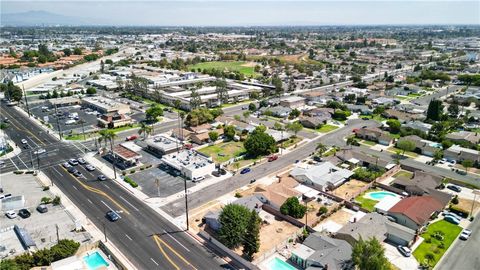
24 141
11 214
465 234
39 151
405 251
198 179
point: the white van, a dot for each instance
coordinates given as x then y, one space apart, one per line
70 122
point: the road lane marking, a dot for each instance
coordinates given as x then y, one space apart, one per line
75 188
176 240
128 237
55 169
129 203
81 150
36 145
89 201
23 129
110 208
94 190
13 163
156 238
154 261
174 251
105 185
26 167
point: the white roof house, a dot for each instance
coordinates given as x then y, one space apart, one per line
190 163
386 203
322 176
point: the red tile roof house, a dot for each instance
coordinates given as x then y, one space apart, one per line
414 212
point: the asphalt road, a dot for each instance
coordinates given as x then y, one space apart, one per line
464 255
146 238
425 100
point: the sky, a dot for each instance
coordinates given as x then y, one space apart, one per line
261 13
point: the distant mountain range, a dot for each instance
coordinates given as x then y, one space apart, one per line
39 18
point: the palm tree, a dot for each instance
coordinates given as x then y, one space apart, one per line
103 137
321 148
351 141
145 130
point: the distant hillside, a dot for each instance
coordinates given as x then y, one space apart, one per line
38 18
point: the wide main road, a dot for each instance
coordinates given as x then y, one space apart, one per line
147 239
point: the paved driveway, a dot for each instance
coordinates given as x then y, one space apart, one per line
400 261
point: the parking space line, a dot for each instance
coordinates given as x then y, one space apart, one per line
81 150
176 240
75 188
107 186
89 201
136 209
36 145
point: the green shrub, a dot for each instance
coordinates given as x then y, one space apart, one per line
45 188
428 240
46 200
323 210
142 168
238 195
132 171
56 200
130 181
18 172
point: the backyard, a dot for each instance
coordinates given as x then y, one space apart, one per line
403 174
367 203
224 151
438 237
245 68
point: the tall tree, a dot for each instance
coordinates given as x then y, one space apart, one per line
435 110
221 90
145 130
369 255
251 240
153 113
234 220
394 125
406 145
453 110
467 163
278 85
294 127
195 99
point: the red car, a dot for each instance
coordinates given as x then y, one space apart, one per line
272 158
132 137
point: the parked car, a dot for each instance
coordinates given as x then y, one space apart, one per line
11 214
81 161
222 171
131 138
405 251
77 174
216 173
452 219
454 188
73 162
42 208
465 234
272 158
102 177
66 165
317 158
72 170
245 170
24 141
198 179
90 168
24 213
112 216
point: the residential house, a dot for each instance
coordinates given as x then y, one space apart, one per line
250 202
322 112
204 137
322 177
276 194
418 125
278 111
378 226
361 109
423 183
383 101
181 134
458 153
402 116
278 135
292 102
322 252
464 136
374 134
362 159
415 212
313 122
424 147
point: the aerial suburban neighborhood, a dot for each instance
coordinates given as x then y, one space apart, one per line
319 146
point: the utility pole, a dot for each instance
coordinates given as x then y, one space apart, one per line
186 202
58 122
83 129
58 237
105 232
157 183
38 161
26 101
473 202
114 164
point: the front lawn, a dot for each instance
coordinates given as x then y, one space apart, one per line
393 149
326 128
434 246
370 143
291 141
224 151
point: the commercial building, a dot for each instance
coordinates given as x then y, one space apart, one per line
105 105
190 163
162 144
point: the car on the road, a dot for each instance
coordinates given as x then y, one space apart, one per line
77 174
42 208
5 120
198 179
66 165
24 213
272 158
245 170
452 219
39 151
131 138
244 107
216 173
72 169
24 141
102 177
81 161
465 234
454 188
11 214
405 251
89 168
73 162
112 216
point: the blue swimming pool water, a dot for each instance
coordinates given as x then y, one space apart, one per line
95 261
379 195
277 264
436 145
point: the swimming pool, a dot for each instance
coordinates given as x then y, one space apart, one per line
379 195
277 264
95 261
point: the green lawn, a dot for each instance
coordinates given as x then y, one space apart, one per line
366 202
224 151
450 232
326 128
405 174
395 136
368 142
291 141
393 149
79 136
240 66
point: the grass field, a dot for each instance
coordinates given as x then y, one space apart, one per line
405 174
245 68
370 143
79 136
291 141
393 149
326 128
449 231
366 202
224 151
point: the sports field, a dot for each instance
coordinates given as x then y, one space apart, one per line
246 68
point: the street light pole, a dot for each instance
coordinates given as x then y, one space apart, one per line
105 232
26 101
473 202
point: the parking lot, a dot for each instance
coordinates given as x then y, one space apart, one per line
40 226
88 117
